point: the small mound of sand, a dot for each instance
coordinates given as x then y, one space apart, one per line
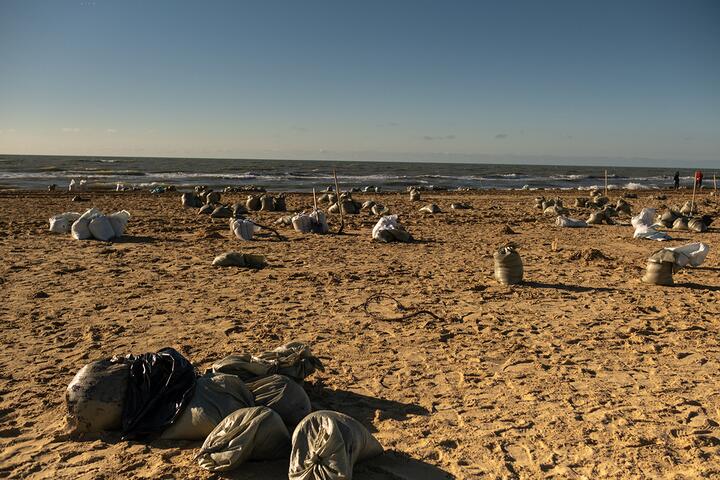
506 230
589 255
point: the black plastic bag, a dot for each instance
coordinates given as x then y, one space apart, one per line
161 384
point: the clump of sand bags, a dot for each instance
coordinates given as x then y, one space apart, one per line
244 408
91 224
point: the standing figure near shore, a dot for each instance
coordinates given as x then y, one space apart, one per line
676 179
698 179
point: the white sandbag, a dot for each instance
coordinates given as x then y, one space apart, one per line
431 208
567 222
119 221
255 433
326 445
95 397
320 224
216 396
243 229
388 222
235 259
81 227
283 395
302 223
62 223
101 229
693 254
644 227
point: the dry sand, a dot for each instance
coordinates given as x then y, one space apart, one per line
582 372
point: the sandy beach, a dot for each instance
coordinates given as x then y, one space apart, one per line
581 372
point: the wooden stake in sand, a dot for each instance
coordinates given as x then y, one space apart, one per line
605 182
314 200
714 182
337 194
692 202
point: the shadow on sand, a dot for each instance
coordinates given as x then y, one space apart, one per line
569 288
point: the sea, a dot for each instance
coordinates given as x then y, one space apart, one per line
31 172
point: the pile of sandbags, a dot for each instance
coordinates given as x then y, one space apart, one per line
388 229
91 224
294 360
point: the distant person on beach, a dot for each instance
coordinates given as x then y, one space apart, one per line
676 178
698 179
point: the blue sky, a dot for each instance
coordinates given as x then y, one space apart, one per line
386 80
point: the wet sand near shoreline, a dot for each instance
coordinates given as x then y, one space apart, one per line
582 371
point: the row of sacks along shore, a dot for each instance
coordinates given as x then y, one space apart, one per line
208 203
245 407
92 224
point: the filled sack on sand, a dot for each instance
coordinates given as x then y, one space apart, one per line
81 227
566 222
267 203
460 206
222 212
660 268
206 209
349 207
239 209
283 395
190 200
508 265
101 229
160 385
547 204
95 397
279 204
581 202
235 259
216 396
687 208
326 445
243 229
367 205
414 195
644 227
667 219
294 360
680 223
379 209
314 222
119 221
432 208
285 221
623 207
555 210
62 223
212 197
253 203
388 229
692 254
599 200
698 224
255 433
596 218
